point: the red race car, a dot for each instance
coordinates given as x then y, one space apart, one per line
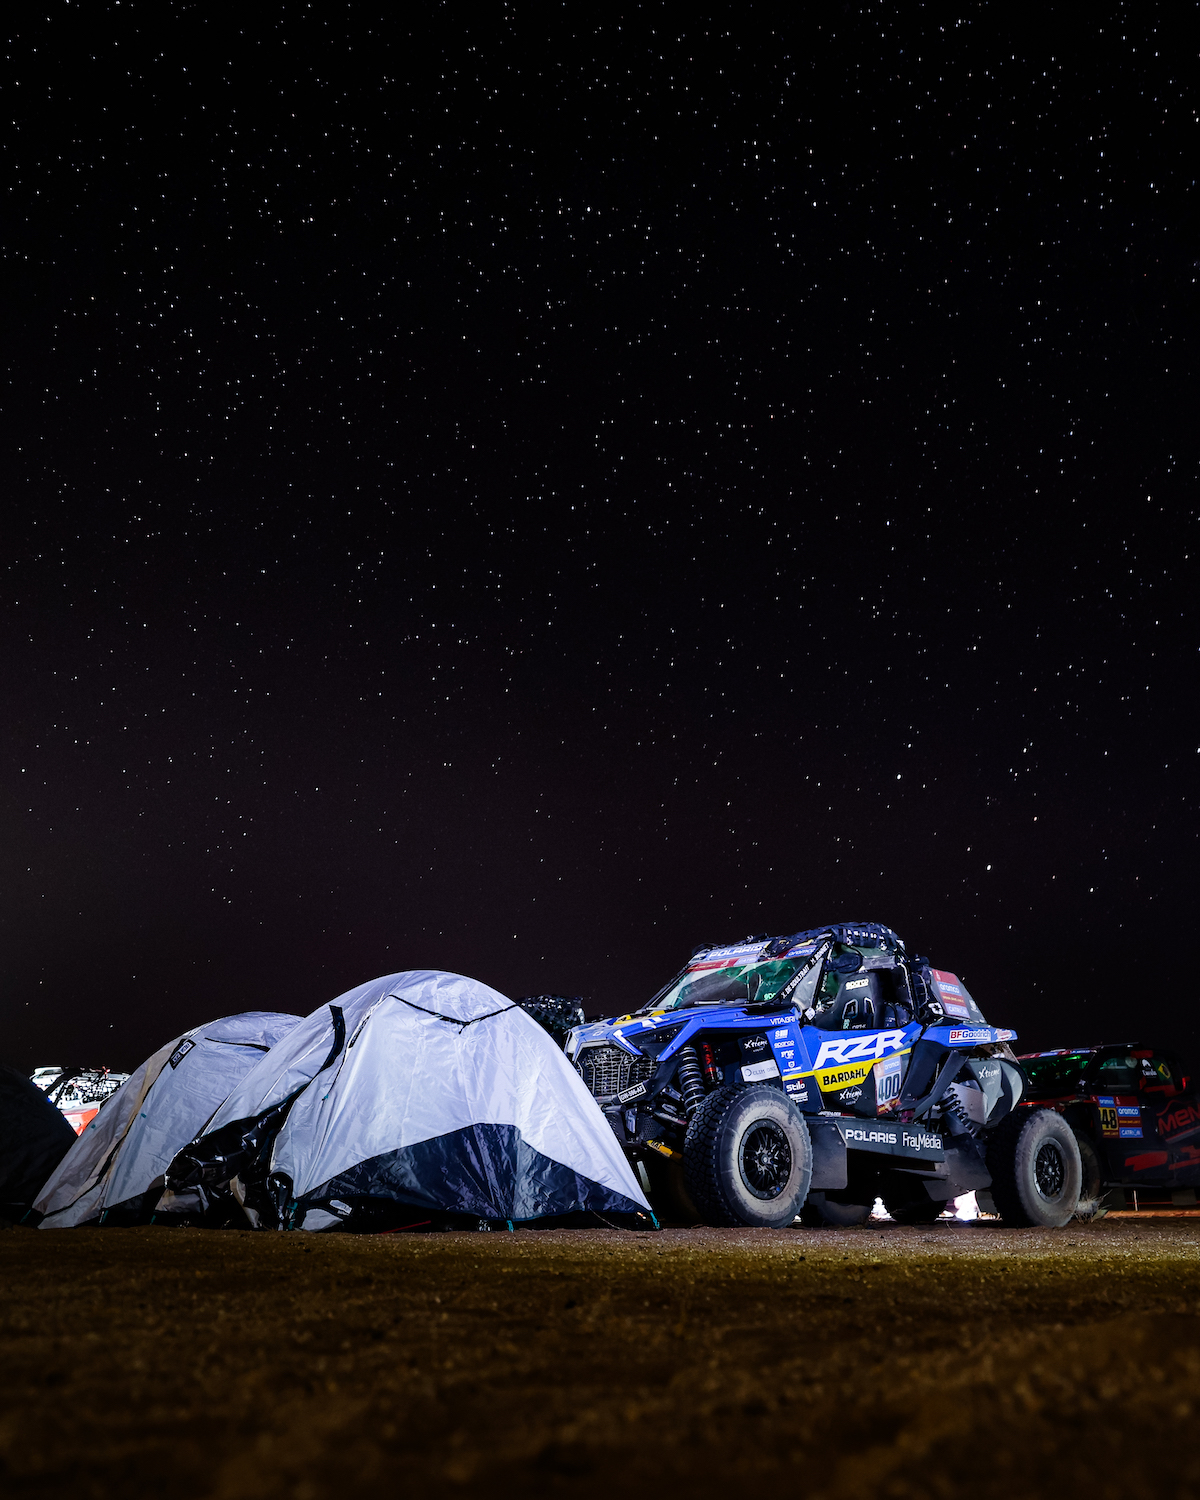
1136 1115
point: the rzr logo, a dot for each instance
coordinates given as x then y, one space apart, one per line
850 1048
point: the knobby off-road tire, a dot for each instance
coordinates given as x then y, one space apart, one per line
1036 1172
1091 1189
747 1158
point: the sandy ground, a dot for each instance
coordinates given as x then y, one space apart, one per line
944 1361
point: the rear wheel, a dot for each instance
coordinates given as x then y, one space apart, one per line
747 1158
1036 1171
1091 1188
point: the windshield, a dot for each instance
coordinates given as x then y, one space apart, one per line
1050 1077
728 981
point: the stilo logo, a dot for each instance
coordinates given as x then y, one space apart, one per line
850 1048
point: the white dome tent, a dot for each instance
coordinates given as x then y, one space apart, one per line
421 1097
113 1173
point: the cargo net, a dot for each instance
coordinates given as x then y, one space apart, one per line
609 1070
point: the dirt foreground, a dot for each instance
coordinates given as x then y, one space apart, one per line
952 1360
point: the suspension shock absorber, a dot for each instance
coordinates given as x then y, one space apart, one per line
709 1062
691 1083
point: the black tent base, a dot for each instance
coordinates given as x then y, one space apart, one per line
589 1219
463 1179
362 1215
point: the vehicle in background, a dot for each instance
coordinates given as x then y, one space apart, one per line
812 1073
1135 1113
78 1092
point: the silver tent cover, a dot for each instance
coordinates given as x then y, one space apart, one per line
420 1093
113 1174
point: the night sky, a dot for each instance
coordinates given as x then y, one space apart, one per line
529 494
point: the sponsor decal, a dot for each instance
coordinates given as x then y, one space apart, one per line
181 1052
868 1135
797 1091
951 994
1105 1099
1182 1117
901 1140
1108 1119
856 984
753 1046
967 1034
1128 1112
919 1140
1131 1132
850 1096
719 958
833 1080
782 1033
887 1079
638 1091
755 1072
339 1207
850 1048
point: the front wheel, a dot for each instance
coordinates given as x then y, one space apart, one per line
747 1158
1036 1171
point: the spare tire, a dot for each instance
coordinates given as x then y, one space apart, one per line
556 1014
1036 1172
747 1158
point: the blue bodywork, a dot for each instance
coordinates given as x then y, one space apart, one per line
841 1019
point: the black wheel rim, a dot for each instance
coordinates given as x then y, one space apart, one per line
765 1159
1049 1169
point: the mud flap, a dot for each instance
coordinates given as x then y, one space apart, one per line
829 1155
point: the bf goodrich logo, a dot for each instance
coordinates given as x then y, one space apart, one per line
852 1048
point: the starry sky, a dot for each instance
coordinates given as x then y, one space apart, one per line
527 492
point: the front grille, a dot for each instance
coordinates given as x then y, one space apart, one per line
608 1070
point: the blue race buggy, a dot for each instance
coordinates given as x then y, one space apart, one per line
808 1075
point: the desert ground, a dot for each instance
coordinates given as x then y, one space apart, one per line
957 1359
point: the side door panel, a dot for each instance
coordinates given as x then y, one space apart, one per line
1177 1123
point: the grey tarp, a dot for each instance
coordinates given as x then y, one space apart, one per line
418 1092
114 1171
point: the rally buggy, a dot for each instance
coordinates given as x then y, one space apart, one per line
808 1075
1135 1112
